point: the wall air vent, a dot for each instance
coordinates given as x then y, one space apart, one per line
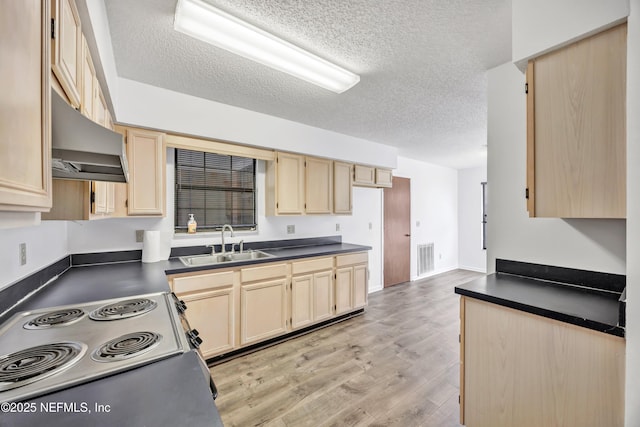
425 258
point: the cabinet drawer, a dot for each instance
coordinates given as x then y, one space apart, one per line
302 267
262 273
349 259
183 285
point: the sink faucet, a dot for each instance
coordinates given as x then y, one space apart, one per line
240 246
224 227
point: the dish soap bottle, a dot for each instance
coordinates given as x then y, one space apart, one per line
191 225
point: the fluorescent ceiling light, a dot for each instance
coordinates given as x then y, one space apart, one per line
202 21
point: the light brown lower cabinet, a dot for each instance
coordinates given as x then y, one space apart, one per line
519 369
302 300
263 302
351 282
237 307
263 310
211 301
311 291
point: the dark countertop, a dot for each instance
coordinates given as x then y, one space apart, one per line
157 392
589 308
84 283
175 266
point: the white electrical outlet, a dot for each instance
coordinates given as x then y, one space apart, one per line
337 226
23 253
291 229
139 236
417 223
370 226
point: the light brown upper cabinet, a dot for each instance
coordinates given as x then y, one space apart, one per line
318 186
25 121
66 48
576 129
364 175
88 82
147 172
383 177
285 185
369 176
76 200
342 188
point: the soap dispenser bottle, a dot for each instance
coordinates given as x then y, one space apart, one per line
191 225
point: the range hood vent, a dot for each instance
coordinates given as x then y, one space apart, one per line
82 149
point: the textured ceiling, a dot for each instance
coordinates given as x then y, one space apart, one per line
422 65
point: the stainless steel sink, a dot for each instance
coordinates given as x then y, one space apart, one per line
245 256
196 260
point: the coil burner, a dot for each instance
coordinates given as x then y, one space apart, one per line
126 346
34 363
55 319
123 309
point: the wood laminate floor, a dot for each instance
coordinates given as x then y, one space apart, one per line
395 365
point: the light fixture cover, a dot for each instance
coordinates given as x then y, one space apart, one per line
202 21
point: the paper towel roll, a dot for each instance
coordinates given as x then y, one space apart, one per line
156 246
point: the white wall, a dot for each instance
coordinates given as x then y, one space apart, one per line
597 245
471 255
632 416
46 243
158 108
434 205
542 25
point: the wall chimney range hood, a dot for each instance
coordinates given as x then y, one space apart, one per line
82 149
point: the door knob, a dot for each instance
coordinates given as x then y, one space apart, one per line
408 235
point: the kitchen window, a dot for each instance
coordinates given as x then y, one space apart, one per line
215 188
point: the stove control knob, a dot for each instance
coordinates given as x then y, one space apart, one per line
181 306
194 339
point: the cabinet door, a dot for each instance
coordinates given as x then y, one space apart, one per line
289 184
359 286
100 106
108 120
364 175
212 314
88 82
322 295
383 177
302 293
25 128
262 310
100 197
344 283
342 188
146 157
66 55
522 369
576 129
319 186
